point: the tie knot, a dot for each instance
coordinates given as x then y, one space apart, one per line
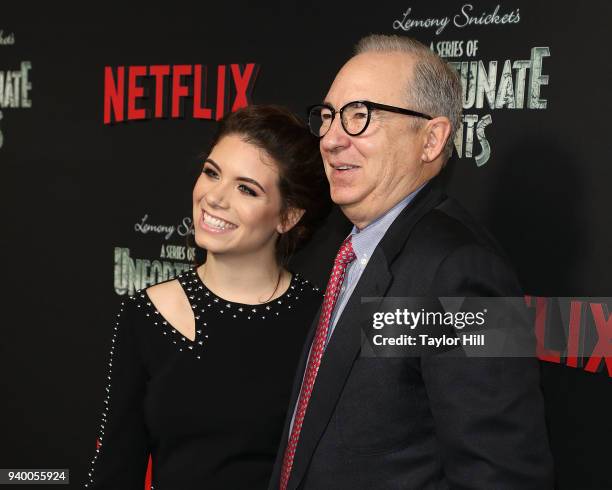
345 253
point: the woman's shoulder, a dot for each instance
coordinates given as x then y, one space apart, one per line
169 301
161 306
166 295
164 292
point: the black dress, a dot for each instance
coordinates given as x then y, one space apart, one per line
209 411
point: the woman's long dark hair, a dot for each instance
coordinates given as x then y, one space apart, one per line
295 151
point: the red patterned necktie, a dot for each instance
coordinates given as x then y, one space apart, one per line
343 258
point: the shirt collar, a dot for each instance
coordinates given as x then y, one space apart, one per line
365 241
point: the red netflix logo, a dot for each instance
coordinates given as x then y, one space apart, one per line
568 331
140 92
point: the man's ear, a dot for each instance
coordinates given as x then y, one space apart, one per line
292 216
437 132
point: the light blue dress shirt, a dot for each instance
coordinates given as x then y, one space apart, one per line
364 243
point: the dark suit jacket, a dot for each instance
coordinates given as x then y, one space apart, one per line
422 423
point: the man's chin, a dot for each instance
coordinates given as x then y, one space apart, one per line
349 207
344 197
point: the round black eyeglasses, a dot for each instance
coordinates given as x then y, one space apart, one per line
354 116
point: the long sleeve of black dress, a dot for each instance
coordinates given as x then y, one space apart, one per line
121 458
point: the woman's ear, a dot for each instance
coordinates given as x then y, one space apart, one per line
292 216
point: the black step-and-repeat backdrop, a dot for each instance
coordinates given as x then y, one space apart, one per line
104 112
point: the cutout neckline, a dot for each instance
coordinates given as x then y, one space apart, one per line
205 292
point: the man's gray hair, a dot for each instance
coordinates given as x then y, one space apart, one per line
435 88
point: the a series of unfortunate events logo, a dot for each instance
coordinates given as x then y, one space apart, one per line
15 84
488 85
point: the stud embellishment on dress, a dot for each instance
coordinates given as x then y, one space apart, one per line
165 327
203 302
107 399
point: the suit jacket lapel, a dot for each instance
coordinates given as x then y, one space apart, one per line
345 342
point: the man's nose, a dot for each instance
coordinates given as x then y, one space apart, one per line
336 137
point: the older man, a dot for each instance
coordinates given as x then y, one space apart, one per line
432 422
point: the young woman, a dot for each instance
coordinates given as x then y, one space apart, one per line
201 366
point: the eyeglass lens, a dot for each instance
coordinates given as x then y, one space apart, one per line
354 118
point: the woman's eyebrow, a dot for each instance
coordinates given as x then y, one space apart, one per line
251 181
242 179
213 163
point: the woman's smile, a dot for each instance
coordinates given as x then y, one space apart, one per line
214 224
